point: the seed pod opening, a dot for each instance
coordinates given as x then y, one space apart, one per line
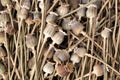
91 11
80 51
63 55
63 9
58 37
75 58
31 41
52 17
98 70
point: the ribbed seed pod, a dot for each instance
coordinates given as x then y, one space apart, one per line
48 68
5 2
76 26
65 24
91 11
58 37
23 13
31 41
61 70
36 17
63 55
2 68
85 1
81 12
80 51
50 30
31 62
75 58
2 52
51 17
29 20
4 18
98 70
26 4
9 29
63 9
105 33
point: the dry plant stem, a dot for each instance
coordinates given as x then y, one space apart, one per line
21 60
115 26
20 25
84 34
42 46
45 57
103 6
116 48
56 1
8 54
117 73
88 55
104 58
34 27
77 9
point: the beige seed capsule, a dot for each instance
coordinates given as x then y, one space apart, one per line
2 68
75 58
76 26
61 70
9 29
52 17
63 55
105 33
63 9
31 63
91 11
48 68
4 18
26 4
6 2
36 17
58 37
98 70
80 51
22 13
31 41
50 30
2 37
65 23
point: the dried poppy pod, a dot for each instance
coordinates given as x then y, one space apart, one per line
61 70
3 53
29 19
58 37
81 12
65 23
2 37
63 55
97 70
74 3
85 1
75 58
63 9
49 30
48 68
36 17
26 4
105 33
52 17
2 70
4 18
22 13
91 11
80 51
9 29
6 2
76 26
31 41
